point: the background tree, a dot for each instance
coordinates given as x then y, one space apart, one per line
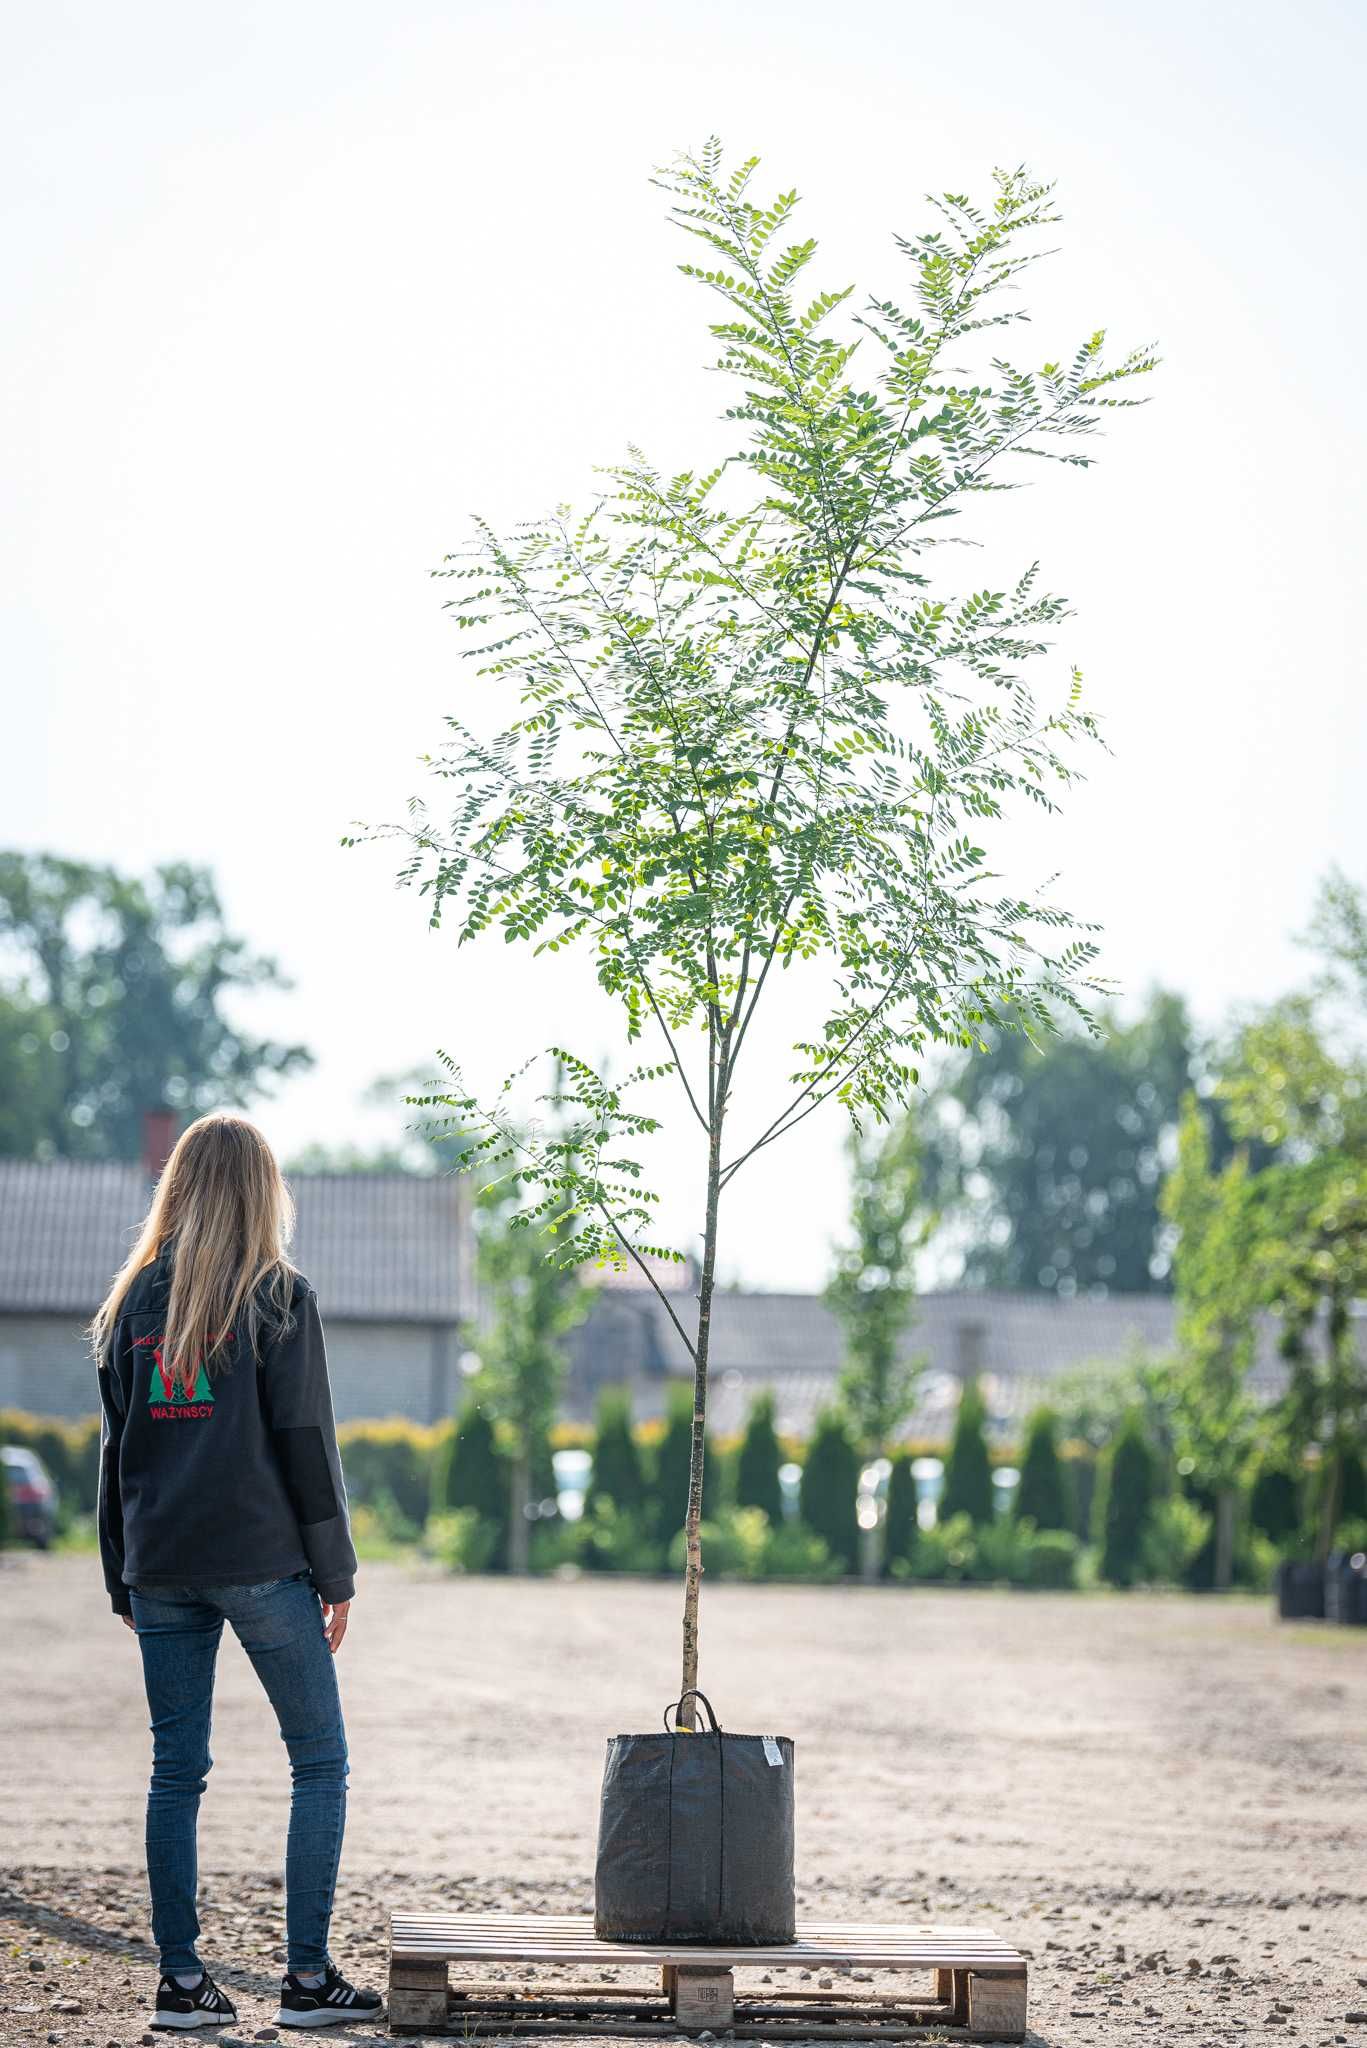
1047 1158
874 1283
829 1491
470 1471
1309 1108
1127 1487
669 1480
759 1461
532 1304
968 1467
901 1526
749 735
1042 1496
116 1002
618 1474
1219 1287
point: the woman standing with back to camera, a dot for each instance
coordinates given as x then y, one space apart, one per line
221 1497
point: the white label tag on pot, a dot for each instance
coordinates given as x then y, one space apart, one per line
772 1750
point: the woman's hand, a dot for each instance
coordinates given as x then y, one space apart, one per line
334 1623
129 1622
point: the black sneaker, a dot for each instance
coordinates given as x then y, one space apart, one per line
203 2005
326 2004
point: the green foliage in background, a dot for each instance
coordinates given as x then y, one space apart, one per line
469 1470
391 1461
463 1540
1126 1490
1308 1105
873 1286
1042 1496
1220 1286
532 1304
759 1462
618 1469
669 1471
1047 1157
901 1529
117 1002
828 1495
1175 1534
968 1468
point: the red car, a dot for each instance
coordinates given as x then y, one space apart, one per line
32 1495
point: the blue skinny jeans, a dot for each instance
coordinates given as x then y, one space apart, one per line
280 1626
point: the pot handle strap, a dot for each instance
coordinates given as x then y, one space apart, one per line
691 1694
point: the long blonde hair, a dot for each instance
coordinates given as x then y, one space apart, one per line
222 1209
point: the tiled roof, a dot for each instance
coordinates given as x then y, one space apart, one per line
384 1247
792 1343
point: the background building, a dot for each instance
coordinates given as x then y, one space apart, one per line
392 1258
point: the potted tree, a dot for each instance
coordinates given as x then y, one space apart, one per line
749 734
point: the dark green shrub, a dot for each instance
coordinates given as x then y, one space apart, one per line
1124 1500
1051 1559
1079 1462
613 1539
618 1474
901 1530
389 1460
947 1551
830 1488
669 1479
968 1468
796 1552
1275 1500
1042 1496
758 1462
469 1471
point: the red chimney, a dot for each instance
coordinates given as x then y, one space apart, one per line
158 1139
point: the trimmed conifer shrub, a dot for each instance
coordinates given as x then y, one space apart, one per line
669 1479
1042 1496
901 1529
618 1474
758 1462
1125 1494
830 1488
968 1468
469 1471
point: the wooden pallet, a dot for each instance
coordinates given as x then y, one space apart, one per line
976 1992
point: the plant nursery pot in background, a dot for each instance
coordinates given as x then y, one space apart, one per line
695 1838
1300 1590
1345 1589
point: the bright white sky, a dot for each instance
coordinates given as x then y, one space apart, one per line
291 289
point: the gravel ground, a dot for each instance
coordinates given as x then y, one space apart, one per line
1163 1801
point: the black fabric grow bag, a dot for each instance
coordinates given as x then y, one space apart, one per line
1300 1591
695 1838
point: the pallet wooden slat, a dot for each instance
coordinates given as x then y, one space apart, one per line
979 1987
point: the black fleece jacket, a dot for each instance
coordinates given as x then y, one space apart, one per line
233 1484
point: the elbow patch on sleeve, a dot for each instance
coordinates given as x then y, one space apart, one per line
304 1461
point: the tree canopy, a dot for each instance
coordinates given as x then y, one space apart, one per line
116 999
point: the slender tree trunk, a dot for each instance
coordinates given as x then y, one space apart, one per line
1331 1492
519 1527
1225 1500
693 1519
